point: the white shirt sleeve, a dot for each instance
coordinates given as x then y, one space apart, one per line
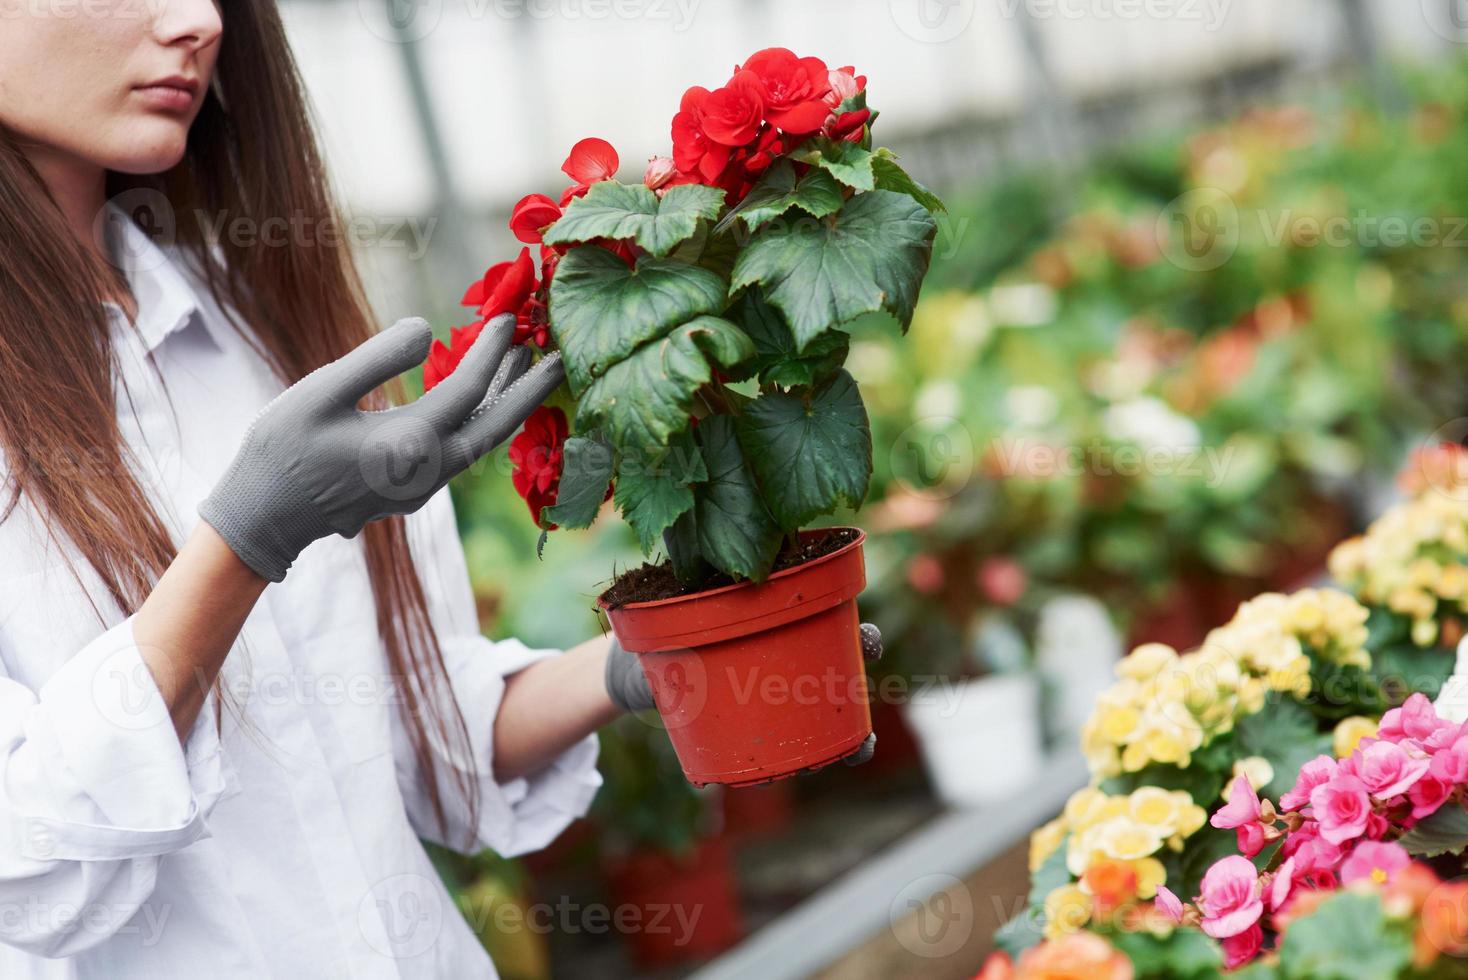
94 789
518 815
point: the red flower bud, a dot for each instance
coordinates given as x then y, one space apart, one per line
660 170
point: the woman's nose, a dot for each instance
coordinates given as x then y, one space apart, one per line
193 24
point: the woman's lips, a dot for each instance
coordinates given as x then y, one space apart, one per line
169 95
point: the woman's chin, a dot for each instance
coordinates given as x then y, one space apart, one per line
152 147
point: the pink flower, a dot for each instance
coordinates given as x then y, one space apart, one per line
1250 839
1309 852
1280 885
1342 807
1169 904
1416 718
1318 770
1374 861
1446 735
1428 795
1240 949
1450 764
1387 769
1242 808
1231 900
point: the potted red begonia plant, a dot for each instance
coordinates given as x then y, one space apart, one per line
698 313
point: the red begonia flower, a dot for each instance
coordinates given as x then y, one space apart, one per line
442 360
531 216
505 287
694 153
794 89
732 115
536 455
591 160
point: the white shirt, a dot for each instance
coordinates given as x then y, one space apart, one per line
287 844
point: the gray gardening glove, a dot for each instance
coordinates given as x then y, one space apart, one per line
626 683
628 688
312 464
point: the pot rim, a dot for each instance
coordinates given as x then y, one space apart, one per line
861 536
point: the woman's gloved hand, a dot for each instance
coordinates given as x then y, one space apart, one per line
313 464
628 688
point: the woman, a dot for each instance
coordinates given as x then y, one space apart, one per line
200 775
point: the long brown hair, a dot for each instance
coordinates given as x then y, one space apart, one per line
252 155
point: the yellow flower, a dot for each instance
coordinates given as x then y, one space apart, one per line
1152 806
1150 874
1146 661
1067 910
1350 732
1116 723
1256 769
1084 807
1126 840
1424 632
1045 842
1191 818
1293 679
1453 583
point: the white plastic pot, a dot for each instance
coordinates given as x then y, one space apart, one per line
1076 651
980 739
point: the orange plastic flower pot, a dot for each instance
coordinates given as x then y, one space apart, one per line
758 682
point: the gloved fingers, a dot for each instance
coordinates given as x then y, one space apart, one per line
871 642
453 398
386 355
493 423
515 363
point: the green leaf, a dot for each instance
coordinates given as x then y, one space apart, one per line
872 255
653 493
601 310
642 400
1346 938
810 450
586 469
1200 852
890 177
1444 832
735 532
849 163
1200 780
1287 735
1026 929
681 540
1183 954
776 360
1405 668
816 193
624 212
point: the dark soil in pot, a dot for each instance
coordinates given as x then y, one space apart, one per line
649 582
